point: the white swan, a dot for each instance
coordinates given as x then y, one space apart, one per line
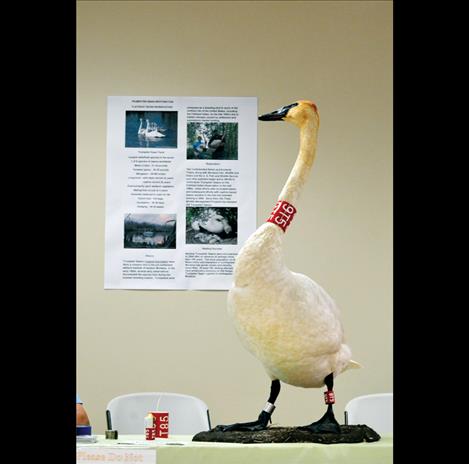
141 130
286 319
152 131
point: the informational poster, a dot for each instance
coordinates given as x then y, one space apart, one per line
180 190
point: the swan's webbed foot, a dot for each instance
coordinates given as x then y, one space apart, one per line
264 417
327 424
260 424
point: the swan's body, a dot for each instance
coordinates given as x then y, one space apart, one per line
152 132
285 319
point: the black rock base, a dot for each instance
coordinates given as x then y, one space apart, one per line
348 434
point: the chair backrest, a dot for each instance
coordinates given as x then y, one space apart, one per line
188 415
375 410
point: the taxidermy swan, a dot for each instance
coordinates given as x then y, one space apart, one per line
152 131
141 130
284 318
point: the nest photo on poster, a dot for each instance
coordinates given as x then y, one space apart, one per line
150 231
212 226
151 129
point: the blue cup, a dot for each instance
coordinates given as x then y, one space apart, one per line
83 430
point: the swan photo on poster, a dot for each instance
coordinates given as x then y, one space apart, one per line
151 129
212 140
150 231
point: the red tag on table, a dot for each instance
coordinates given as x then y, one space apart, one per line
150 433
282 214
161 423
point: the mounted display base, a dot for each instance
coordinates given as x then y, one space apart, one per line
348 434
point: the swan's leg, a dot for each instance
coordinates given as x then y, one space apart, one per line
327 423
264 417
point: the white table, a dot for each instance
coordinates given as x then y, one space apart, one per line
179 449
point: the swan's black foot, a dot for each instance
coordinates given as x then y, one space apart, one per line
327 424
260 424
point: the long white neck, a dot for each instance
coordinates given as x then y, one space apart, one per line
139 127
261 258
302 167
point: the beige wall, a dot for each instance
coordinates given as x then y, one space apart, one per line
338 54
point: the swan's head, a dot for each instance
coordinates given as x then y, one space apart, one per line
298 113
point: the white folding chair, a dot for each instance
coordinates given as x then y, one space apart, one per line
375 410
188 415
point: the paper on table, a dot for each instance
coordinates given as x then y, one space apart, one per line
87 438
152 442
101 454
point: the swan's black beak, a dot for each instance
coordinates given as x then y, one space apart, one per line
277 115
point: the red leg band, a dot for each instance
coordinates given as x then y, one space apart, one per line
329 397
